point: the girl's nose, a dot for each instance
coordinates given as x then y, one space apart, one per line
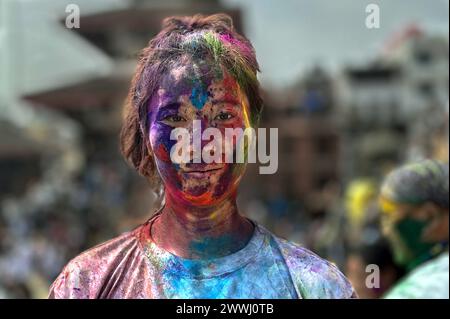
199 140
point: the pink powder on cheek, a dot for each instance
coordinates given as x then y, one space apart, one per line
162 153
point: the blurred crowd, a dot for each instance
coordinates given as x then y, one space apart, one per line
51 224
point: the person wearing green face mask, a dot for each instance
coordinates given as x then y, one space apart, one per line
415 220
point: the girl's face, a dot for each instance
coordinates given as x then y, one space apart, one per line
203 92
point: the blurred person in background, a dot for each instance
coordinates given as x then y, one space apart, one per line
415 219
364 243
361 210
197 245
367 254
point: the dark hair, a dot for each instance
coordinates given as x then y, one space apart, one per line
197 36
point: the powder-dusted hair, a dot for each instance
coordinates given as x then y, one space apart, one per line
203 37
418 183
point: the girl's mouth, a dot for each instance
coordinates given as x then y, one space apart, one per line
203 172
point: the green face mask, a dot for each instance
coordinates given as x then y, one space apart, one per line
409 232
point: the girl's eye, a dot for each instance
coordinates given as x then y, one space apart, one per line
223 116
174 118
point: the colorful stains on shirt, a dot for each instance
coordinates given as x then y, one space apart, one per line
256 271
132 266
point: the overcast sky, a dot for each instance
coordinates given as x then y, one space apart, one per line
291 35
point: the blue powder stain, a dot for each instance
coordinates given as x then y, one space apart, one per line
211 245
199 96
268 277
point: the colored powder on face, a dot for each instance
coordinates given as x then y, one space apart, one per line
162 153
410 232
199 96
225 182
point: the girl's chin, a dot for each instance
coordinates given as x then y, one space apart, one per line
202 196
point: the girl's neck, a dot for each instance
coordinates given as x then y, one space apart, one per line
203 232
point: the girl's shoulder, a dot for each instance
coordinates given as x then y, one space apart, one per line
313 276
83 277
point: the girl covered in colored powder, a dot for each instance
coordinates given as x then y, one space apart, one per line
197 245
